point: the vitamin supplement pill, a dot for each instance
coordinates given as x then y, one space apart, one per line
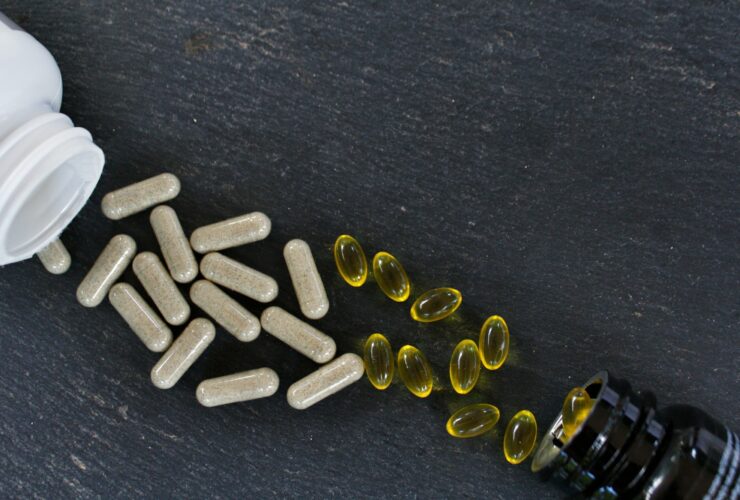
309 288
112 262
327 380
493 343
520 437
138 197
415 371
141 318
298 334
229 233
160 287
436 304
576 407
227 312
473 420
391 277
350 259
379 362
55 257
174 245
238 387
238 277
185 350
464 367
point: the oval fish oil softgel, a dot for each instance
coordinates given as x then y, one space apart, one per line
55 257
174 245
493 343
576 407
464 366
229 233
309 288
520 437
379 362
473 420
138 197
391 277
415 371
436 304
110 265
350 260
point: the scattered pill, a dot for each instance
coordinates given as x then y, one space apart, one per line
140 317
464 366
185 350
350 259
473 420
238 387
226 311
325 381
138 197
55 257
229 233
174 245
436 304
415 371
391 277
298 334
379 362
159 285
520 437
576 407
309 288
238 277
493 343
110 265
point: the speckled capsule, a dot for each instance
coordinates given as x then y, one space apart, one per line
464 366
227 312
183 352
493 343
110 265
229 233
391 277
138 197
298 334
238 387
415 371
520 437
159 285
309 288
473 420
350 260
140 317
436 304
174 245
238 277
327 380
55 257
379 362
576 407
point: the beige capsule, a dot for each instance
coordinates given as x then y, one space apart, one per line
160 287
306 279
138 197
327 380
55 257
110 265
174 244
229 233
238 387
140 317
238 277
227 312
183 352
298 334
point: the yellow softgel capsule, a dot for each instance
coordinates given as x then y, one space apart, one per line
379 362
576 408
350 259
436 304
473 420
464 367
493 343
415 371
520 437
391 277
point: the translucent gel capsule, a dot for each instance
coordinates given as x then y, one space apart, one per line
159 285
379 362
110 265
415 371
520 437
174 245
576 408
183 352
350 259
493 343
140 317
138 197
238 387
391 277
436 304
327 380
309 288
230 233
464 367
473 420
55 257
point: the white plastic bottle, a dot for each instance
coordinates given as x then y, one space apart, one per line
48 167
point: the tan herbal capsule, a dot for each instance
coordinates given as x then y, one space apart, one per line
174 245
141 318
227 312
138 197
327 380
299 335
55 257
238 277
185 350
229 233
306 279
112 262
238 387
160 287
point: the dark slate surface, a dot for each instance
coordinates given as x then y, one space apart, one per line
571 167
